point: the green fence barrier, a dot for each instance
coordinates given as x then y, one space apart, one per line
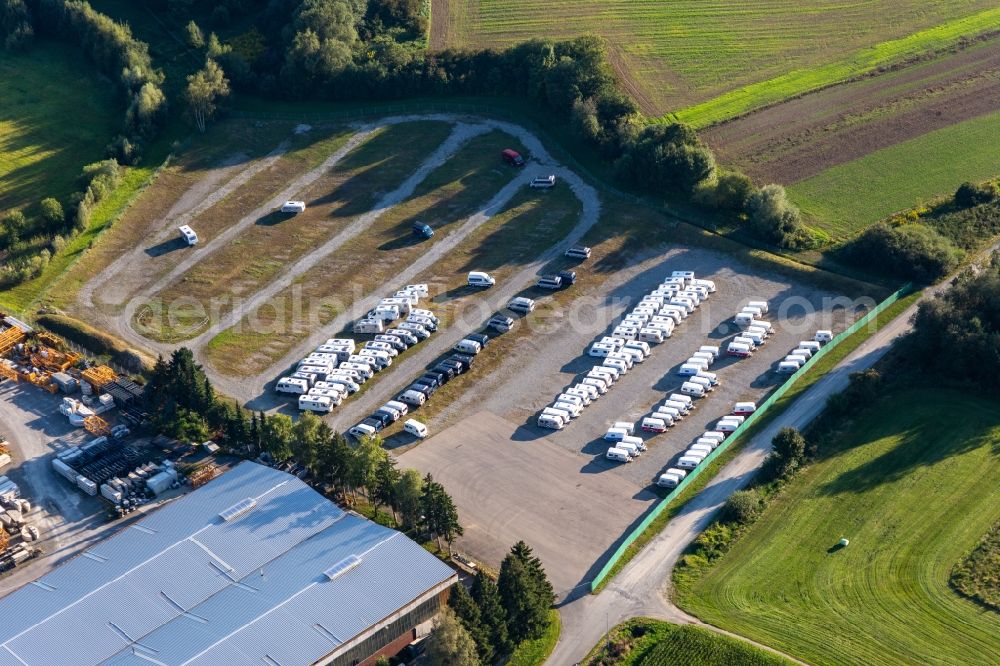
750 420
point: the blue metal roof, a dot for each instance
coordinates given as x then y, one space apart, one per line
185 586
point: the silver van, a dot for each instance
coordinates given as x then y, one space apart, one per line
468 347
411 397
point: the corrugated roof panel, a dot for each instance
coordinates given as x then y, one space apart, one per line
301 644
280 550
288 516
183 573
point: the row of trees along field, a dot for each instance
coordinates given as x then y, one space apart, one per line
376 49
486 622
186 407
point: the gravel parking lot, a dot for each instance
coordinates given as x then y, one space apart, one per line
509 477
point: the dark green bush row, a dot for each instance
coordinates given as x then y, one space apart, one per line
957 334
16 29
118 55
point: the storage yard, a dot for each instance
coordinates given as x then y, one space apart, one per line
492 288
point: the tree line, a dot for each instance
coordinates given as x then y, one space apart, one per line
483 624
30 242
186 407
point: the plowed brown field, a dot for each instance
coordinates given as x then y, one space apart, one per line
799 138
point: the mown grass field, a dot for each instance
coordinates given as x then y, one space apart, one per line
912 484
710 61
56 115
844 199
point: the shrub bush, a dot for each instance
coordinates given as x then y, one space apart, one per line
742 507
775 219
909 252
969 194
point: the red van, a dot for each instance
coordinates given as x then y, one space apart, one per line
512 157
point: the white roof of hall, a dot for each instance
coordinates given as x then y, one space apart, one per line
285 580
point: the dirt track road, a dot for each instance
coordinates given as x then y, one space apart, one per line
252 389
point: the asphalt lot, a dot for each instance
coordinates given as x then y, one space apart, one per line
509 478
509 489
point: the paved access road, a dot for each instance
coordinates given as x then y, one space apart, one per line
642 587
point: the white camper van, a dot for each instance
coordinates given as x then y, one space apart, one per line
188 234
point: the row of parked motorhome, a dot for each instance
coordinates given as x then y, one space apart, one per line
805 350
337 368
676 406
401 305
755 330
652 321
703 446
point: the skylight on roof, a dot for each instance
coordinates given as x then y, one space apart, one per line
342 567
238 509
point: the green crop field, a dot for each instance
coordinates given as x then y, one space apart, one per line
913 485
55 116
847 197
710 61
642 641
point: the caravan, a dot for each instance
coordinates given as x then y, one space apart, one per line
320 404
290 385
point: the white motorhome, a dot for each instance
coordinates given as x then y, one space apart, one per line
411 397
596 382
292 385
739 350
618 455
787 368
615 434
369 326
707 284
581 393
689 369
573 409
823 336
760 305
550 421
293 207
671 478
692 389
468 347
743 319
415 428
689 461
188 234
687 276
704 382
652 334
811 345
617 364
683 399
320 404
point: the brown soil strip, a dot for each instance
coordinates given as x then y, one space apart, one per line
797 139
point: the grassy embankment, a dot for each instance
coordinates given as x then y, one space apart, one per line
912 484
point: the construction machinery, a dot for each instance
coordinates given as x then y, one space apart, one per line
96 426
52 359
203 475
9 338
99 376
8 372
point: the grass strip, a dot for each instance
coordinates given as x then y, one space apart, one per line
535 652
135 179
